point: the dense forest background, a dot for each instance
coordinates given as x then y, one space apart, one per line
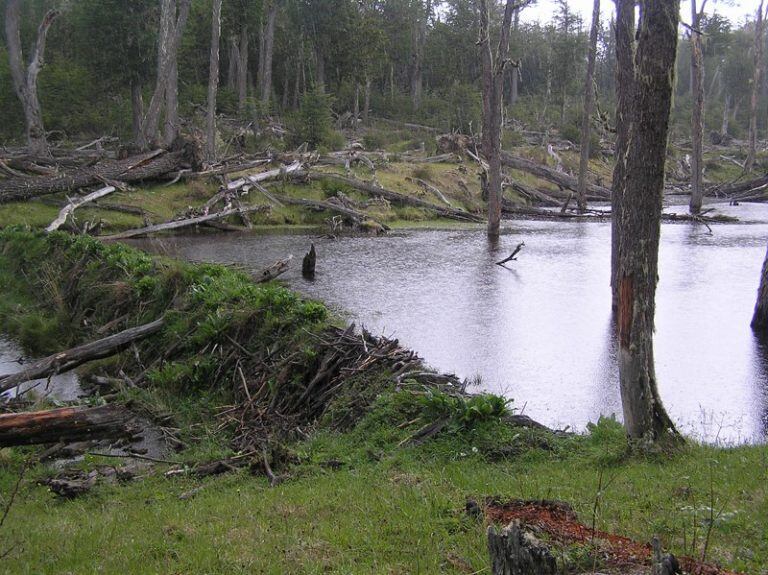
417 61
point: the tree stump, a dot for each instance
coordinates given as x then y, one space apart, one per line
515 551
308 265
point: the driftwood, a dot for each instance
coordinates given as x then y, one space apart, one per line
396 197
66 424
516 551
76 203
512 257
72 358
176 224
151 165
276 269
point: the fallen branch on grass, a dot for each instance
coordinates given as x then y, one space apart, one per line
67 210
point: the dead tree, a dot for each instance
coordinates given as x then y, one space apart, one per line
493 84
265 66
589 101
749 164
25 81
625 82
645 418
242 69
417 55
760 317
697 115
213 82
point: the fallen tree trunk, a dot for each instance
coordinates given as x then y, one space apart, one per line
374 190
729 190
357 218
76 203
276 269
138 168
65 425
546 173
71 358
176 224
430 188
263 176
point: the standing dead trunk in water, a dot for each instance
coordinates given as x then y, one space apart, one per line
697 116
749 164
625 81
760 317
213 82
169 38
265 81
589 102
308 263
25 81
645 418
242 70
493 83
417 54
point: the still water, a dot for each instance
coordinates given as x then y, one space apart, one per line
541 331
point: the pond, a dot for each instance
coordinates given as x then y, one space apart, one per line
540 331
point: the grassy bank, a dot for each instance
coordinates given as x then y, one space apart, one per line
360 495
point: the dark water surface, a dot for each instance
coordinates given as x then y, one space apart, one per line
541 332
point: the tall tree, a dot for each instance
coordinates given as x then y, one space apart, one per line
697 113
25 80
589 102
493 83
645 418
213 82
423 10
265 58
756 81
760 316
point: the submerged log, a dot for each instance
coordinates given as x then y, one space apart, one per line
69 359
65 425
516 551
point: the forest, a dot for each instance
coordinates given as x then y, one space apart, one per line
383 286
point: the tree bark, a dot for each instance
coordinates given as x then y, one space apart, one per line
137 108
66 424
645 418
749 164
25 81
367 101
69 359
242 70
760 317
726 115
516 551
213 83
269 41
697 116
234 63
589 100
417 54
625 86
516 69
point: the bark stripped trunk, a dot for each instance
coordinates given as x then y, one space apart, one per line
515 70
752 153
417 56
589 101
625 82
213 82
265 81
25 81
242 70
760 317
726 116
639 219
697 117
172 104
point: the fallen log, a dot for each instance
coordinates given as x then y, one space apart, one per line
263 176
359 219
730 190
407 125
72 358
65 425
176 224
276 269
375 190
546 173
76 203
151 165
430 188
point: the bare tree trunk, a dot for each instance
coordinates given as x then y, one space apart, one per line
493 83
172 104
242 70
697 116
417 56
625 82
752 153
269 42
367 103
25 81
760 317
356 106
589 101
137 107
640 216
726 116
516 70
286 89
213 82
319 69
233 64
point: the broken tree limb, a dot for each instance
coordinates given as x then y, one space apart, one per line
66 424
176 224
263 176
375 190
72 358
430 188
276 269
511 257
67 210
138 168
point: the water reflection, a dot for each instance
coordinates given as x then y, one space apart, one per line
540 330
